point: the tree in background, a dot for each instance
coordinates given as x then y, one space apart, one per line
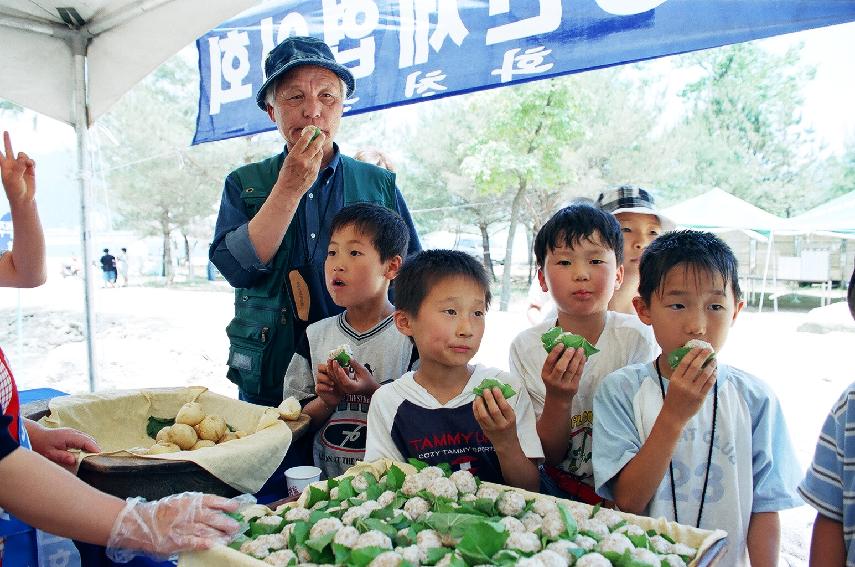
159 184
743 131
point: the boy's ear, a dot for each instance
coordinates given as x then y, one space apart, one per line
642 309
393 266
618 277
542 279
403 322
738 308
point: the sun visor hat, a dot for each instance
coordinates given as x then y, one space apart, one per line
296 51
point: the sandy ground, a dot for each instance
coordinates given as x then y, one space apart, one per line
150 337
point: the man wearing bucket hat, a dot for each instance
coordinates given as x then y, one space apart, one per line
272 231
640 223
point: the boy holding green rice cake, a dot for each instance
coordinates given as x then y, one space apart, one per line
345 358
700 443
562 360
446 413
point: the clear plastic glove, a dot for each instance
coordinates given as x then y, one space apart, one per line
160 529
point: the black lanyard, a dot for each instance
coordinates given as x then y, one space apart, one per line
709 455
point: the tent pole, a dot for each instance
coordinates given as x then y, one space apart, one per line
766 271
79 46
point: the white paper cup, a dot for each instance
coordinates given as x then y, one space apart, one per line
298 478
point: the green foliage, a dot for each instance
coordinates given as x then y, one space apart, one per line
158 183
743 133
155 424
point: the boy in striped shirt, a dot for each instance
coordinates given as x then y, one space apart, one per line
829 485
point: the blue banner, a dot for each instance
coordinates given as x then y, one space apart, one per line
406 51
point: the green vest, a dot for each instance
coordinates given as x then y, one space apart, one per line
261 334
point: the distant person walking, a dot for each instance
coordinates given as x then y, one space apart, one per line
108 266
122 266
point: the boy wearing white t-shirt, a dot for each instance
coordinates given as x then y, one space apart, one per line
366 250
691 439
579 254
433 414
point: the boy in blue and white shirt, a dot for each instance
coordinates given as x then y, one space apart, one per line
702 443
829 485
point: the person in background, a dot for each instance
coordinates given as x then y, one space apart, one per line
122 266
36 490
693 440
829 485
376 157
641 223
108 267
273 227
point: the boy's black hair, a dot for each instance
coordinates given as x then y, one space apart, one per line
578 221
388 231
424 270
701 251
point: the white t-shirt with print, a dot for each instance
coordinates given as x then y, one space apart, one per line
625 340
753 469
386 352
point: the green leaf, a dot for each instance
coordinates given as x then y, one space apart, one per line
435 554
486 506
316 495
452 524
319 543
342 554
366 524
570 527
556 335
364 555
595 510
317 515
299 534
395 478
238 541
505 558
419 465
490 383
256 529
155 424
345 488
640 541
677 355
374 491
445 467
481 541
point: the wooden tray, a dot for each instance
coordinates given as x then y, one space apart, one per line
126 477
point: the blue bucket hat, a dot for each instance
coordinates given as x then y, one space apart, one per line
296 51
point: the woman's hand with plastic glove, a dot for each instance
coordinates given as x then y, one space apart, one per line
182 522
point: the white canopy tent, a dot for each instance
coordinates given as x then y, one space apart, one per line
72 60
836 216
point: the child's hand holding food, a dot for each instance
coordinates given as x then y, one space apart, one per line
496 417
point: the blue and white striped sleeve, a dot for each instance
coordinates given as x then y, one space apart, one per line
822 487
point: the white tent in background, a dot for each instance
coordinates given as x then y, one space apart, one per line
837 216
72 59
716 210
719 210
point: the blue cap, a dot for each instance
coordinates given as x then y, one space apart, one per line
296 51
